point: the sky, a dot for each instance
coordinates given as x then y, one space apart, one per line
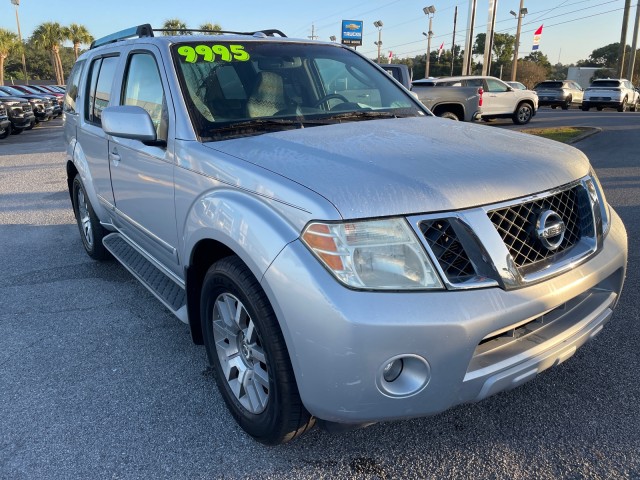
572 28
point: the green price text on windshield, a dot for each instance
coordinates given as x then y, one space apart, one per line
213 53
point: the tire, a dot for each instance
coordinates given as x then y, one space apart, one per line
623 105
91 232
488 119
553 107
523 114
16 131
7 131
246 348
599 108
584 109
449 115
567 104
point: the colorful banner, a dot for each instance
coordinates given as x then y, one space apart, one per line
440 50
536 39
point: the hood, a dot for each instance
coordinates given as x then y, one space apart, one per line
412 165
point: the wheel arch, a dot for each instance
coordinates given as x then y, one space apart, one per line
225 223
455 108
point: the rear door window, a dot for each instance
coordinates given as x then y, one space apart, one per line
71 92
102 73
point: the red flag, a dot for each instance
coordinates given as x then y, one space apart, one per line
536 38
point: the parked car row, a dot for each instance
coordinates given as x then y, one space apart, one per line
602 93
24 106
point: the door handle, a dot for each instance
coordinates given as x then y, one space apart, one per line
114 156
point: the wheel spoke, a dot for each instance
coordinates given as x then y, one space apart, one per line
240 354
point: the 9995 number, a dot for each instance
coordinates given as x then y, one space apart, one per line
212 53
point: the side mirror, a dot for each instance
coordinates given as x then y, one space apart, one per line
129 121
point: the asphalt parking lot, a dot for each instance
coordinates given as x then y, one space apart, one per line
99 380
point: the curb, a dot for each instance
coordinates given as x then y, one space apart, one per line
588 131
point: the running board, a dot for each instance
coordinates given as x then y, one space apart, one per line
172 295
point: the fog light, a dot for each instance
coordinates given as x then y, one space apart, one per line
392 370
403 375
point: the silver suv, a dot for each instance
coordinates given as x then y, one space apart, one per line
559 93
344 256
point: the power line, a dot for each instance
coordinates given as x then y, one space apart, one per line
528 23
526 31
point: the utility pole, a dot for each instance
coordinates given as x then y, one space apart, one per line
313 32
468 45
453 41
623 38
634 46
488 41
514 67
378 24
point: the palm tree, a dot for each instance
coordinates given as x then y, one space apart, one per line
49 36
212 27
173 25
78 34
8 42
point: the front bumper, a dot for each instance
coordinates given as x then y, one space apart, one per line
459 346
23 122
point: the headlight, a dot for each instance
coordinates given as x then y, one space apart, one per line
378 254
602 202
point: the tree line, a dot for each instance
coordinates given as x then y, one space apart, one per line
532 69
47 58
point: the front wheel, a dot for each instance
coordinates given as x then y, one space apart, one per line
247 350
523 114
91 231
6 132
17 131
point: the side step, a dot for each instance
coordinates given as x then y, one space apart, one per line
160 284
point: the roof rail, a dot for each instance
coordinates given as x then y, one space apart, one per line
133 32
271 32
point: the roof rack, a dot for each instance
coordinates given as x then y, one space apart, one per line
271 32
145 30
133 32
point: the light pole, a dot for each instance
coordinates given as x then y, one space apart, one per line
24 63
429 11
521 13
378 25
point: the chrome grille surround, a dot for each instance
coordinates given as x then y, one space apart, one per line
492 261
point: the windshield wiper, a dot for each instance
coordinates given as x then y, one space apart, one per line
363 115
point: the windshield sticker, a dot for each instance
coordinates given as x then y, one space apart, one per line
213 53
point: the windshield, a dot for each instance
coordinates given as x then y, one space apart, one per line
247 88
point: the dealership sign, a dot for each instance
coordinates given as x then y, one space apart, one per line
352 32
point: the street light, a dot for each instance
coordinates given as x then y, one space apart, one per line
332 38
378 25
24 63
429 11
521 13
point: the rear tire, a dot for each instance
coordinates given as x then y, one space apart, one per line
16 131
623 105
247 350
449 115
91 231
567 104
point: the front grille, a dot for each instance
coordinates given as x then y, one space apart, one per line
516 224
448 250
26 107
